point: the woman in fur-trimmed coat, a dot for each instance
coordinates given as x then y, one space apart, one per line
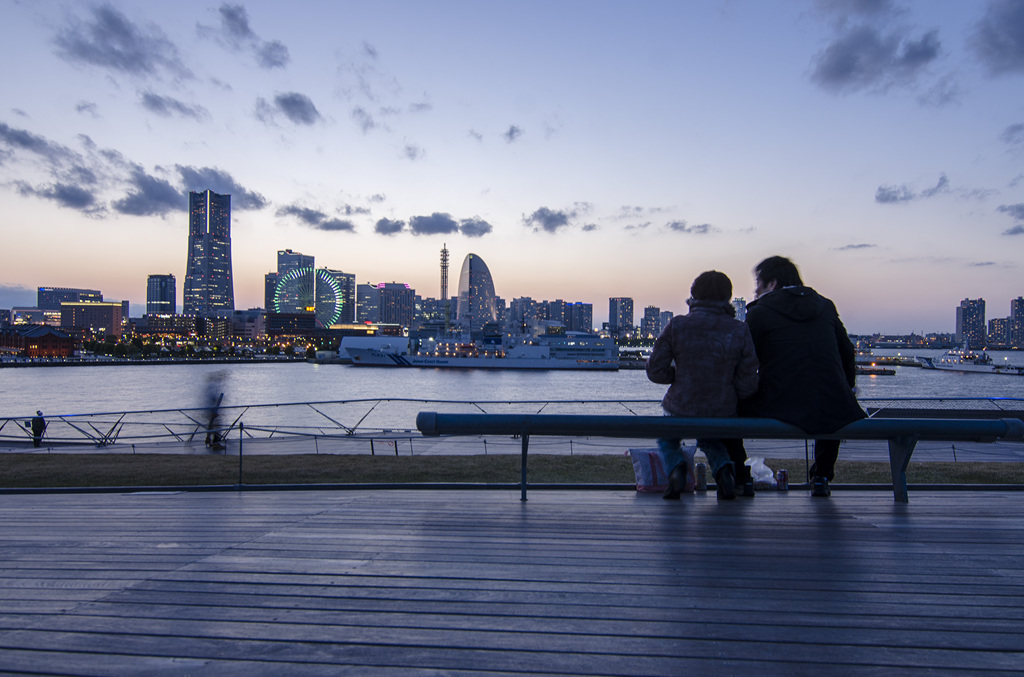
707 358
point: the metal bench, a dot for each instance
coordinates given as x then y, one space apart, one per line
902 434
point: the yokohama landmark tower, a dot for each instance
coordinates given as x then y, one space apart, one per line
209 289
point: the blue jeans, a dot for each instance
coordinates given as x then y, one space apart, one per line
713 448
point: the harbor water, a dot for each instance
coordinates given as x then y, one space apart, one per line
91 389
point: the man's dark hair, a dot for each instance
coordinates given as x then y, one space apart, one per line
711 286
780 270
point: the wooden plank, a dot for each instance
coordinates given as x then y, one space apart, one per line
571 582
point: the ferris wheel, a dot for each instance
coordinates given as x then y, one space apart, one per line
305 290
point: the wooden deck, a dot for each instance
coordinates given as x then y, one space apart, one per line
460 582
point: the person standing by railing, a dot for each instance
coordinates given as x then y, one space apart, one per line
38 428
708 359
808 363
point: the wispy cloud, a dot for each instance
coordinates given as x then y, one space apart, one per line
388 227
512 134
890 194
109 39
855 247
998 38
681 226
149 195
316 219
168 107
235 33
219 181
298 108
436 224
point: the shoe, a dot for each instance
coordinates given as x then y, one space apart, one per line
746 491
676 483
819 487
726 483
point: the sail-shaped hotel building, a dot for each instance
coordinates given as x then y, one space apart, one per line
477 304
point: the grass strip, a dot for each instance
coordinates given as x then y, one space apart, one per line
19 470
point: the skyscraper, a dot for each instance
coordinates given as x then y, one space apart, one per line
476 294
970 323
209 289
620 316
161 295
1017 322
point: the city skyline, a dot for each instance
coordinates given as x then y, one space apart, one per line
585 150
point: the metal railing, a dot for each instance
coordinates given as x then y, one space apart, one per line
367 420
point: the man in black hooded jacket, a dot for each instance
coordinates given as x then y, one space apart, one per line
807 362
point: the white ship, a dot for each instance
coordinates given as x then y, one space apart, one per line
572 351
969 361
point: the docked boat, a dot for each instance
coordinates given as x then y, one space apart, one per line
969 361
571 351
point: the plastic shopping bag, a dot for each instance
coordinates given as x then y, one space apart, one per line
762 475
652 471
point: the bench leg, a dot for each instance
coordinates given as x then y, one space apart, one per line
522 482
900 450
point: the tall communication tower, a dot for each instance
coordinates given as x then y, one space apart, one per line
444 286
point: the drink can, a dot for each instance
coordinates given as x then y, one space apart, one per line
701 471
782 479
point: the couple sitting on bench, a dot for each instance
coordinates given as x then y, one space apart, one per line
792 360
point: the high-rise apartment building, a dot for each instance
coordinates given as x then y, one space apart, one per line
580 317
161 298
1017 322
209 289
650 326
620 316
970 323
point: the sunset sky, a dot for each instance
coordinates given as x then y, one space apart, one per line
584 149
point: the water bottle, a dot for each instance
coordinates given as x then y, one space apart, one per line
701 471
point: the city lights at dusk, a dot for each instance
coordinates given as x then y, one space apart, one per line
584 150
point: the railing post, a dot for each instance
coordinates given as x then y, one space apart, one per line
522 481
900 450
241 436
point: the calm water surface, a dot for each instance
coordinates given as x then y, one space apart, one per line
76 390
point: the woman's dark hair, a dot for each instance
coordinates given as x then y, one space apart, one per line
780 270
711 286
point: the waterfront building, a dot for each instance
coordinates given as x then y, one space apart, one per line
1017 322
556 312
476 294
367 303
288 260
999 332
620 316
97 317
344 287
522 315
36 341
161 298
666 318
650 325
970 323
50 298
580 317
249 325
269 287
397 303
209 288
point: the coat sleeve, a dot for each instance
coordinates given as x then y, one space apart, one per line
745 379
659 364
847 352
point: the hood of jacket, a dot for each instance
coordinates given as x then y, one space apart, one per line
799 304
